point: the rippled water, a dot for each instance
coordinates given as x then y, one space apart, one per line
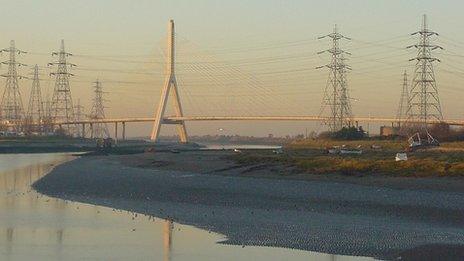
36 227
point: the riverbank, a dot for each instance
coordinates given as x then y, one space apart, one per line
370 157
56 144
212 191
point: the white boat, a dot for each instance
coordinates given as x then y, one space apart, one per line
415 141
401 157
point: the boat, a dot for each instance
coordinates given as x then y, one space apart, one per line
416 142
333 150
401 156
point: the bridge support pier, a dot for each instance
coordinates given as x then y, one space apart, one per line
91 130
83 130
123 130
116 133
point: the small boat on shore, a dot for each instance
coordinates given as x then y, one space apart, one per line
344 150
401 156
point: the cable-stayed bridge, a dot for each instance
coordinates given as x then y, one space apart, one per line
210 80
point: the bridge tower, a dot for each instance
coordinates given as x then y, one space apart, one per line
170 83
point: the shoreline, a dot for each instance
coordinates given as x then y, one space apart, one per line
207 190
89 146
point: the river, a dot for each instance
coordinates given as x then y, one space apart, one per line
37 227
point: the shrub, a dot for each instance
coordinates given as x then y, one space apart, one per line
349 133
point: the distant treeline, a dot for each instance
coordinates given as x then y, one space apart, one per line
237 139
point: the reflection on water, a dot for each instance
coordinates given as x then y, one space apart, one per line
36 227
167 239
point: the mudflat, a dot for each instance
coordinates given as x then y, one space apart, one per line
273 205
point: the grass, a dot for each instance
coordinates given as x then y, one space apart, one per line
366 144
309 156
453 145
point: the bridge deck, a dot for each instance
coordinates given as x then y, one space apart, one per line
173 119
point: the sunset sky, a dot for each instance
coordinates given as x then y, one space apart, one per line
237 57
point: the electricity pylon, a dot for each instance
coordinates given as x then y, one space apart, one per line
12 105
78 109
62 107
336 91
35 110
404 101
47 116
424 102
99 130
170 83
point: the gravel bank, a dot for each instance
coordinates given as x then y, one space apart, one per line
324 216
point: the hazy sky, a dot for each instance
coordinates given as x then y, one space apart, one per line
235 57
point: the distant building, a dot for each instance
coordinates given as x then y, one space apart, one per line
389 131
270 135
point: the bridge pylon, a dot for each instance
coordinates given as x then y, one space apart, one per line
170 84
